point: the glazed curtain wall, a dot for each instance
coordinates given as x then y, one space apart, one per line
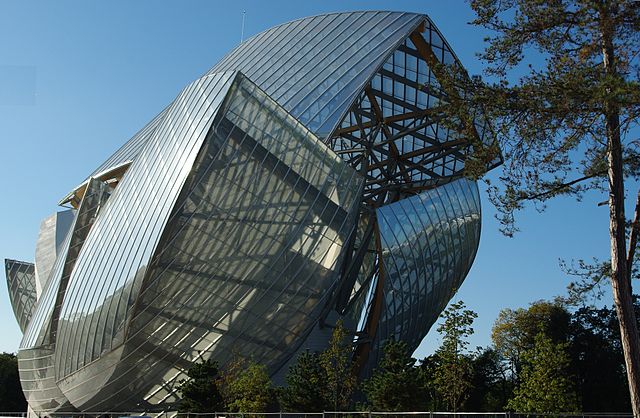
429 242
21 282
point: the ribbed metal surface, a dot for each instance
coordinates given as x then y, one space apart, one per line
36 358
113 261
53 230
313 67
37 378
21 283
41 331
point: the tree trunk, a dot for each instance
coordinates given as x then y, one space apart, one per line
620 283
619 277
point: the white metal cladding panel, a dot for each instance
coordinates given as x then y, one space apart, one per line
124 236
267 207
315 67
40 329
37 332
46 251
429 243
21 283
37 378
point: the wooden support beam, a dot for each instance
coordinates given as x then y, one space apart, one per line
418 114
427 150
424 49
371 325
387 133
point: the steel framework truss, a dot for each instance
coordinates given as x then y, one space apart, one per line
395 132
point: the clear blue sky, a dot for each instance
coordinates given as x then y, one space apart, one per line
78 78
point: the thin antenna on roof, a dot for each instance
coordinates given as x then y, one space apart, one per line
242 30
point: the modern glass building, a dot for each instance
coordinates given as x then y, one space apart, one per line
314 174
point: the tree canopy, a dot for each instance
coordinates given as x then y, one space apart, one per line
323 381
200 390
453 373
11 395
306 385
249 390
396 384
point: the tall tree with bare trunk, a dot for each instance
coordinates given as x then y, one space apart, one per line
563 88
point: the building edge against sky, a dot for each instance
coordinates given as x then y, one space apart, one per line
309 176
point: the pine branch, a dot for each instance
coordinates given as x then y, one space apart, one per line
633 237
562 186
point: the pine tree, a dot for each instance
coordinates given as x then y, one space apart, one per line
565 125
396 384
306 386
200 391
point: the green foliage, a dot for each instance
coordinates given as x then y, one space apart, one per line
453 374
514 331
598 360
491 386
200 391
321 382
545 384
250 390
567 361
429 390
336 362
566 124
306 386
396 385
11 396
552 119
456 328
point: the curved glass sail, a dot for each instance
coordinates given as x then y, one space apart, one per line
21 283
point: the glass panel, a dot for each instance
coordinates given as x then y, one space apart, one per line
428 244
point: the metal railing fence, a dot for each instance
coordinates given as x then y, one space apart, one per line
326 414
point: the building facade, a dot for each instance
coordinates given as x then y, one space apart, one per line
314 174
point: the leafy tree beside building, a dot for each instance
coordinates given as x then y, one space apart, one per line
250 390
338 368
11 395
322 381
453 374
545 383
